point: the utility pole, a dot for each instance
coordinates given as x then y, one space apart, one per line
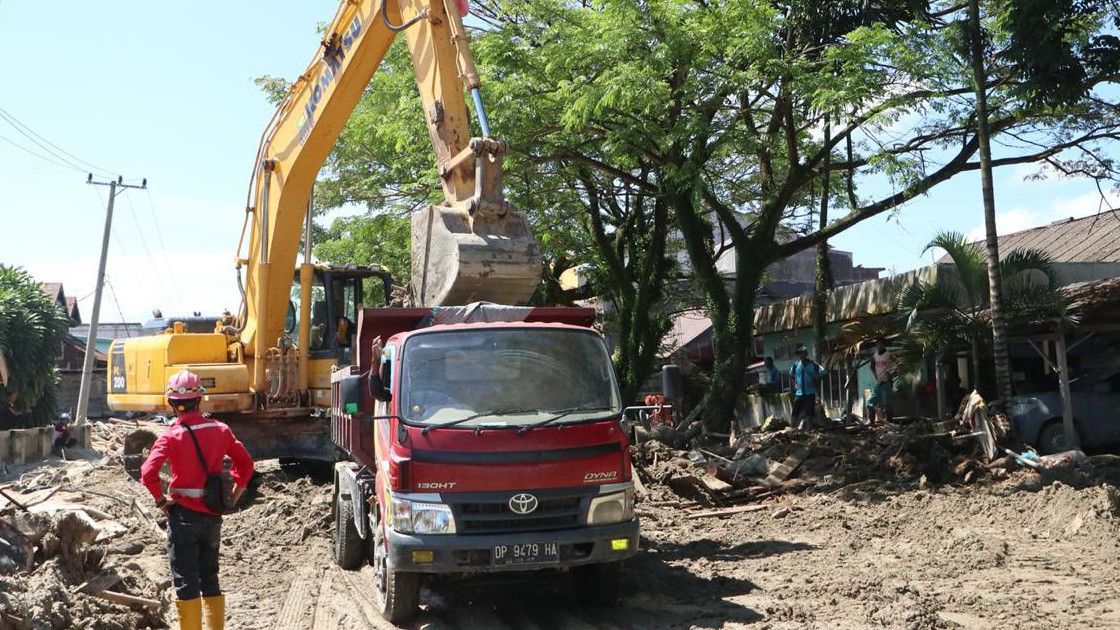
115 187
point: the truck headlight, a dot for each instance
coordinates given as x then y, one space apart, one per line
413 517
611 508
432 518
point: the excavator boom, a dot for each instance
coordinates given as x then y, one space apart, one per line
472 247
268 369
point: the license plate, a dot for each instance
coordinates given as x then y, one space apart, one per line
527 553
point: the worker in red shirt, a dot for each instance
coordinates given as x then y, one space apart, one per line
193 529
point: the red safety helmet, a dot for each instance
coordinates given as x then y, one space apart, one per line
184 385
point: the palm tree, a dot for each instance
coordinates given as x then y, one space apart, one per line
991 242
32 329
949 315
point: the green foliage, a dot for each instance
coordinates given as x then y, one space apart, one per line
274 88
713 109
380 239
32 328
1054 45
951 314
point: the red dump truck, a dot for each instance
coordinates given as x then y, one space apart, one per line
480 439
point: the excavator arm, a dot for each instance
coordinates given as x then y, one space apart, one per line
473 246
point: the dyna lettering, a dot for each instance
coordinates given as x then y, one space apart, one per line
600 476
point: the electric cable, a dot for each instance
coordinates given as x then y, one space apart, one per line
147 251
163 250
120 313
41 157
26 130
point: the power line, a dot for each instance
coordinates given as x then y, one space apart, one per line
120 313
41 157
163 248
147 250
31 134
42 146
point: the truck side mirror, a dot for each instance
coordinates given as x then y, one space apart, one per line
377 389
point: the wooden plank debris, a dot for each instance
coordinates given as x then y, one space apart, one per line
786 468
727 511
128 600
13 501
715 485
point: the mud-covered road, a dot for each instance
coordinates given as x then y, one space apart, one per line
1022 552
1019 553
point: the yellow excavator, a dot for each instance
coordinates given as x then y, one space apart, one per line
267 370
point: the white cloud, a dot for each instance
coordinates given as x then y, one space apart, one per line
1013 220
1019 219
1085 205
203 282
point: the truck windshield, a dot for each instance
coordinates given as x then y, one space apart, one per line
505 377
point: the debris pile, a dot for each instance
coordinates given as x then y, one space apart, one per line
772 461
70 551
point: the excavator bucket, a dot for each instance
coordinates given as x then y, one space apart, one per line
459 258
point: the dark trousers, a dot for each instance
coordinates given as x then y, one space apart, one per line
193 539
804 411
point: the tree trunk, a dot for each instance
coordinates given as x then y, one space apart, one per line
974 375
823 284
939 379
995 286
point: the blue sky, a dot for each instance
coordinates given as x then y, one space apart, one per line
165 91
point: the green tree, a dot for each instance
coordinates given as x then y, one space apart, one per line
726 101
582 216
32 328
987 190
713 109
950 315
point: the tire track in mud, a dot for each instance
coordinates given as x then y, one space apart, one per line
323 599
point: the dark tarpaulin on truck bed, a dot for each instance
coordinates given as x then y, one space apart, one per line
386 322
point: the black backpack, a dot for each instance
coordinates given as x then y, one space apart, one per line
214 490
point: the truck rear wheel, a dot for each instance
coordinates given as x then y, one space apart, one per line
598 584
348 544
396 594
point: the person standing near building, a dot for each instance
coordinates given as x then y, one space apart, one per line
769 376
804 376
195 447
882 368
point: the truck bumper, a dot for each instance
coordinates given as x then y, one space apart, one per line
474 553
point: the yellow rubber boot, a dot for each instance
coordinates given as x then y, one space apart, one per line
215 612
190 613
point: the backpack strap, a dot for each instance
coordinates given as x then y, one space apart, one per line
197 450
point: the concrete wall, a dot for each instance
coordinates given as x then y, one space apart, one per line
25 446
752 409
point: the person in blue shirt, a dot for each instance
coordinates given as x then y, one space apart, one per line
804 376
769 374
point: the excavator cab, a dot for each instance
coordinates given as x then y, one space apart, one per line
337 295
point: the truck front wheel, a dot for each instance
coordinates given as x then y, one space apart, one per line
598 584
397 594
348 544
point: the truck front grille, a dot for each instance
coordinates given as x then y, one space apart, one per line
485 517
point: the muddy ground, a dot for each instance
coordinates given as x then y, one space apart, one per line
1028 550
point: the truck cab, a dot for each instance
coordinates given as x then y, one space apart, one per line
481 439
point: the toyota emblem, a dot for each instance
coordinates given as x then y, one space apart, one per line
523 503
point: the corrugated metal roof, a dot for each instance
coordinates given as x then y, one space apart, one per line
1089 239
